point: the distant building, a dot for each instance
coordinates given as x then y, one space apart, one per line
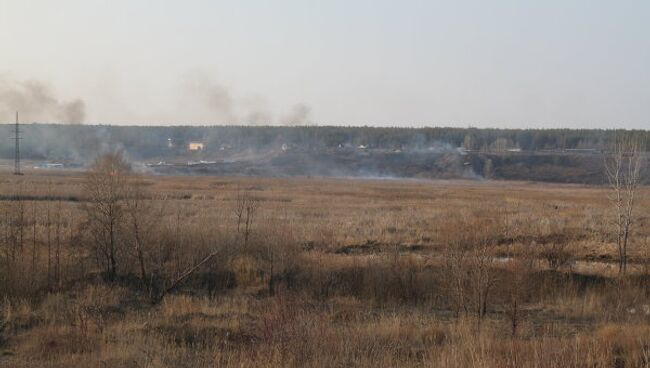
195 146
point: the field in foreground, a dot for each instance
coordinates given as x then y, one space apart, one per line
318 273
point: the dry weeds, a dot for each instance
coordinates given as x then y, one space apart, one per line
336 273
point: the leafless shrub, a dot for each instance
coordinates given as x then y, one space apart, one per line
245 211
472 251
143 219
516 285
105 188
623 167
469 266
556 255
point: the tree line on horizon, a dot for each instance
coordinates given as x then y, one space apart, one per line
84 142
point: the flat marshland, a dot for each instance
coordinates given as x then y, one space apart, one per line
155 271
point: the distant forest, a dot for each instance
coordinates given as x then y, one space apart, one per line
83 142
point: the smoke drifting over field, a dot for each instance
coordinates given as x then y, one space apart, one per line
240 150
36 101
325 151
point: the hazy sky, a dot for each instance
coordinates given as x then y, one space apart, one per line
517 63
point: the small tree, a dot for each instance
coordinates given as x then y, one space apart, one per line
13 222
482 277
33 269
142 220
105 189
141 227
623 167
517 286
280 252
469 270
245 212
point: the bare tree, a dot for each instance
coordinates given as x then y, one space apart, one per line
34 243
482 277
455 275
280 252
623 167
20 227
517 291
469 266
6 270
105 188
74 257
13 223
143 219
48 225
142 223
57 251
646 263
245 211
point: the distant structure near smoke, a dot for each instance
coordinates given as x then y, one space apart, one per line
195 146
442 153
37 102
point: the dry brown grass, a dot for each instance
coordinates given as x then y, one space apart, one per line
337 273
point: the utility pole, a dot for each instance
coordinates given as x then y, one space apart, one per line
17 152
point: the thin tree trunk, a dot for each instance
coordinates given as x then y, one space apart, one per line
49 245
57 253
34 249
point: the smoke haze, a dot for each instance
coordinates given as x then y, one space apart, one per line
223 106
300 115
36 101
216 97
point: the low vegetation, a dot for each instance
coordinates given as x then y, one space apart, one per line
114 269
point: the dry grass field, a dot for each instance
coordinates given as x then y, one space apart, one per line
313 272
